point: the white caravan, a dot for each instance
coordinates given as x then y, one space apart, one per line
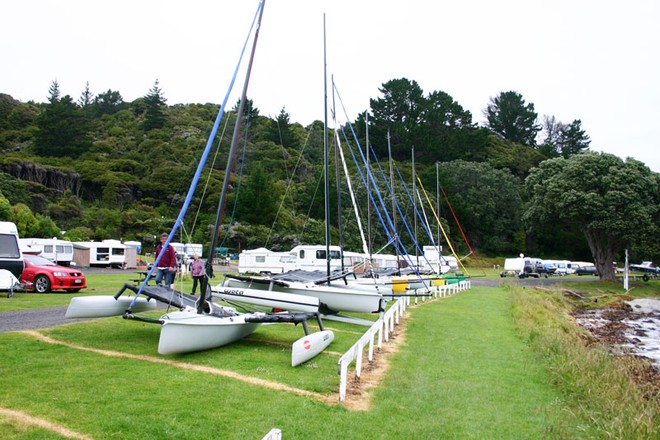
58 251
314 257
109 253
264 261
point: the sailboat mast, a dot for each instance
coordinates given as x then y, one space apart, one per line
228 168
369 247
325 153
338 185
396 235
414 178
437 209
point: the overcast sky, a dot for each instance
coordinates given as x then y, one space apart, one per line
593 60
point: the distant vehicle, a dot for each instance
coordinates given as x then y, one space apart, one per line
645 267
575 265
562 266
522 267
547 269
586 270
43 276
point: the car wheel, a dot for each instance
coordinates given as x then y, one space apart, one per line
73 290
41 284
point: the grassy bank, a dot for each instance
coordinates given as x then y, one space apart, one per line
600 386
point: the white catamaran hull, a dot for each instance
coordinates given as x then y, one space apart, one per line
186 331
309 346
336 298
266 298
104 306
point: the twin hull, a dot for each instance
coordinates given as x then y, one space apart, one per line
335 298
186 331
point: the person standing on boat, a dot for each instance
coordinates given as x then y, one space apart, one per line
167 265
197 272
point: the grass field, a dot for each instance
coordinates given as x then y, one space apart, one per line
492 362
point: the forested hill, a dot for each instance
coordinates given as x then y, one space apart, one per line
98 167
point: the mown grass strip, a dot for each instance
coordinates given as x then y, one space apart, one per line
188 366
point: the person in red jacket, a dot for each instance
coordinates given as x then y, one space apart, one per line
167 265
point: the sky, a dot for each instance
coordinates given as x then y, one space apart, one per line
593 60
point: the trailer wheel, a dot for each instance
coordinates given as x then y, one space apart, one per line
645 277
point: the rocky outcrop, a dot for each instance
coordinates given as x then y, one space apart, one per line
55 179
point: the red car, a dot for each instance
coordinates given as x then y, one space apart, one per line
43 276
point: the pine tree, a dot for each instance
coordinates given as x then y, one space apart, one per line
86 98
155 113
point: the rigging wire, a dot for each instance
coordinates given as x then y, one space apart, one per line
288 186
198 172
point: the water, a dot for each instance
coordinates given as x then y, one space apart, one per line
635 331
644 329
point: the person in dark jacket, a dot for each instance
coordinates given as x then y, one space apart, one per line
167 265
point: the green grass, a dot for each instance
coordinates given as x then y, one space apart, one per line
467 369
600 386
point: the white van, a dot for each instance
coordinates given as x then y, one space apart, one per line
11 257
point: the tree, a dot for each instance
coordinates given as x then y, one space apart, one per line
615 204
62 129
563 140
86 97
108 103
54 92
154 108
574 139
486 201
280 130
258 198
400 113
509 116
5 208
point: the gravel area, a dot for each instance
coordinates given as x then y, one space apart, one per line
34 318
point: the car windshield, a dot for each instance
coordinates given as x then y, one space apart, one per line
39 261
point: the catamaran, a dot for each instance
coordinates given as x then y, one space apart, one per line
197 323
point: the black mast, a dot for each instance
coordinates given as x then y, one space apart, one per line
228 168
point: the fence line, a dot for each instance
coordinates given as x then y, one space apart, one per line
383 328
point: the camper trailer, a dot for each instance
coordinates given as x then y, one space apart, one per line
314 257
302 257
191 249
11 258
522 267
436 262
106 253
264 261
57 251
